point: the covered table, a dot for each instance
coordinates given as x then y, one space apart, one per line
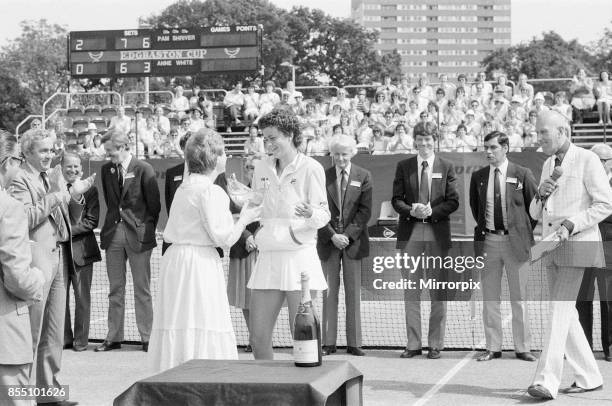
266 383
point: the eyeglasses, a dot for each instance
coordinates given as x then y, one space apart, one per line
14 159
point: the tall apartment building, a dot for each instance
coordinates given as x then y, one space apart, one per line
437 36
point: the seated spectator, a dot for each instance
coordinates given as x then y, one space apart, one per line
97 153
503 87
426 90
180 104
517 105
355 116
424 117
562 107
284 103
362 104
251 104
120 123
389 123
461 99
341 99
254 145
538 103
364 134
197 121
379 141
441 100
233 102
347 125
449 141
465 142
525 100
603 93
379 107
499 109
481 87
269 99
206 106
171 145
421 101
321 106
462 80
401 142
412 115
184 127
479 93
299 108
449 88
514 129
396 105
472 126
161 121
138 122
487 128
319 145
530 135
404 90
522 83
434 113
334 116
337 130
149 137
312 117
583 98
194 100
387 88
292 92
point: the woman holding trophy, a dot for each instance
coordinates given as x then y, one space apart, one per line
292 187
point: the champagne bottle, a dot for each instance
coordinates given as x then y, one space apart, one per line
306 331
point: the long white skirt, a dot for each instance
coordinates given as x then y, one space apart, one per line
191 313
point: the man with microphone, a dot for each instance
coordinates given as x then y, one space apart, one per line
571 201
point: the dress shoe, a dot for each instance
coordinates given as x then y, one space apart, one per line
355 351
248 348
526 356
410 353
577 389
68 346
328 349
433 353
78 348
539 392
489 355
608 358
145 346
108 346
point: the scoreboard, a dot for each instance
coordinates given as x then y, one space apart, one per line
164 52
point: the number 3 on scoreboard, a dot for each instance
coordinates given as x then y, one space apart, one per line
147 67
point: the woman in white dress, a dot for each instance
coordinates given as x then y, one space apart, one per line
294 208
192 314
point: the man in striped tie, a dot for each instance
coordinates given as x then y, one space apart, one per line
424 195
45 196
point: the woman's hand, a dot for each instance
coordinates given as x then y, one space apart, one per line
303 210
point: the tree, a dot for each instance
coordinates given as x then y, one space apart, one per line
36 60
316 43
13 102
602 50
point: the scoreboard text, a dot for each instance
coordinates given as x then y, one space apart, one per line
164 52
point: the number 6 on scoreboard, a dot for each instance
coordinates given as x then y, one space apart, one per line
123 67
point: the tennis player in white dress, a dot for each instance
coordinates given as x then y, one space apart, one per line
192 315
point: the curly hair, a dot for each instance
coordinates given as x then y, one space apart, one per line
286 122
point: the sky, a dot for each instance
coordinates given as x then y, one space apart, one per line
584 20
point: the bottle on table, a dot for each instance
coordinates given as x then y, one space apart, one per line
306 331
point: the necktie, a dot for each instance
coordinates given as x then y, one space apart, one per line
120 177
57 216
424 185
557 161
342 189
44 175
498 217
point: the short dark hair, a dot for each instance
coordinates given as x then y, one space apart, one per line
285 121
502 138
202 150
425 130
69 155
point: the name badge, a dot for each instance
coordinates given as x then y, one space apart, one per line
436 176
511 180
129 175
355 183
178 177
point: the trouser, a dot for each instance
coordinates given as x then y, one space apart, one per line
351 275
117 254
15 376
584 305
564 335
499 255
81 284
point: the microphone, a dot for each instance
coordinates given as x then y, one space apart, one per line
557 172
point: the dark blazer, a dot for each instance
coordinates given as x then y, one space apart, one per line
605 228
356 213
444 199
138 206
83 220
518 198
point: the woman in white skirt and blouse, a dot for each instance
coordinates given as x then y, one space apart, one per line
294 207
192 315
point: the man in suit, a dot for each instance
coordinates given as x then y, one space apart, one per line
132 199
45 196
571 208
83 220
424 195
20 283
500 194
344 241
602 275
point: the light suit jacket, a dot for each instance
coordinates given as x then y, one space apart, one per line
583 197
20 284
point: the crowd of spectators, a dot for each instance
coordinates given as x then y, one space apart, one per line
463 112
